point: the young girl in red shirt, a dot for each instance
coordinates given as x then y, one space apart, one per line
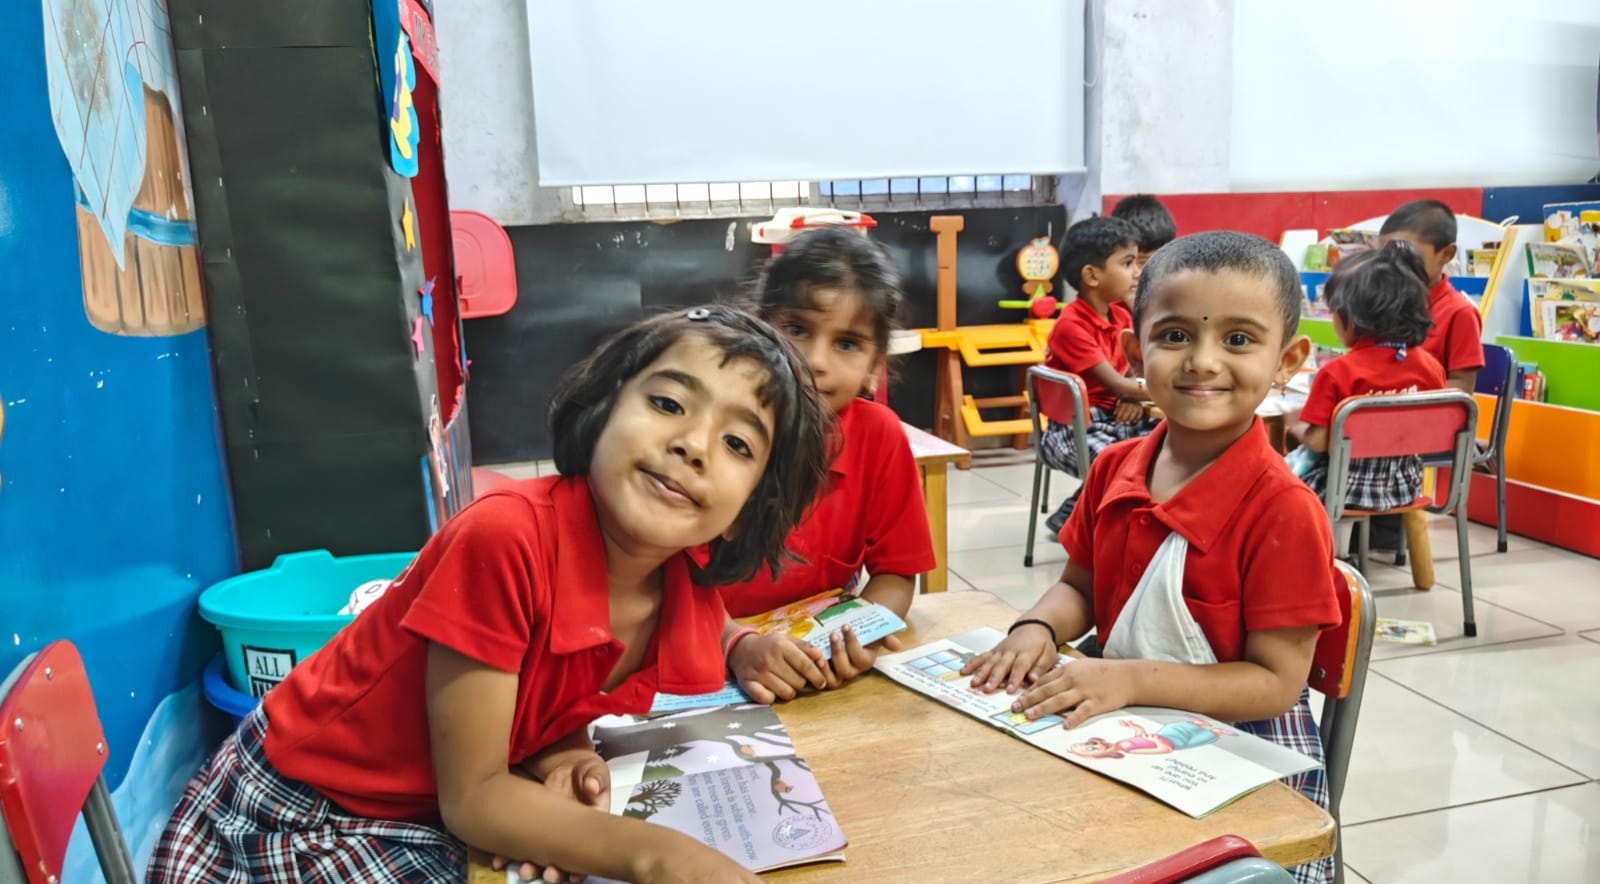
1379 301
835 296
453 711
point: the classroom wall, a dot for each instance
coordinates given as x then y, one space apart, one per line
578 282
114 509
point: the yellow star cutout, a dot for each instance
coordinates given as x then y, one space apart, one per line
408 226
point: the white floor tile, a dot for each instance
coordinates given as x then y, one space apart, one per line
1412 755
1000 570
1441 606
1482 540
975 486
1559 587
1549 836
989 524
1351 877
1545 694
1018 478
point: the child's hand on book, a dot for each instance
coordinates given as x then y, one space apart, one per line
775 667
850 658
683 860
1081 690
1020 659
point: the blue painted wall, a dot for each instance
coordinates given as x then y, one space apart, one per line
114 509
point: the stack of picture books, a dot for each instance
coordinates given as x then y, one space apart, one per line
1188 761
1563 291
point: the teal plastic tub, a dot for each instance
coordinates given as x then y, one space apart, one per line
272 619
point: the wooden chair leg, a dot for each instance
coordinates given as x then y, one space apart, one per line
1415 524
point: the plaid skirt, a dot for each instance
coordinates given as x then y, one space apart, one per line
241 821
1297 730
1375 483
1059 452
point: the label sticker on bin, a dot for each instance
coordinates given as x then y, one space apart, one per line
266 667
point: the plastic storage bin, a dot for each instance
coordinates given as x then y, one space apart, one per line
272 619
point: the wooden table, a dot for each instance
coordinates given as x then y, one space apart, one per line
934 457
925 793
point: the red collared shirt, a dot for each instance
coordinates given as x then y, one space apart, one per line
517 581
1369 369
1082 339
870 513
1260 552
1456 339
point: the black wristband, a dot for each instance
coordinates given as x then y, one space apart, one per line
1026 620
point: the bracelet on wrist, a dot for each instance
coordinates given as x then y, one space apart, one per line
733 639
1037 622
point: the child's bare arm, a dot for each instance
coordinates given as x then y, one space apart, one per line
1121 386
470 709
1030 650
1312 436
1463 379
1265 684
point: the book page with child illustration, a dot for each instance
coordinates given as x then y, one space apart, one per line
1191 762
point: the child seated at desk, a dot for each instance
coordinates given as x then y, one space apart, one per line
454 710
1380 313
835 296
1100 260
1204 564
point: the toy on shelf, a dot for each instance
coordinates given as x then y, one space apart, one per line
781 229
1037 262
956 416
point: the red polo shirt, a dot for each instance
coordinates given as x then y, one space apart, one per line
1368 369
1082 339
517 581
1260 552
870 513
1456 339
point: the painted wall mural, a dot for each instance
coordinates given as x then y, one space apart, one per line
113 91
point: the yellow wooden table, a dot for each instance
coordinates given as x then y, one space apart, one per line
934 457
925 793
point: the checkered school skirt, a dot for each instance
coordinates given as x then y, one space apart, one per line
1375 483
1297 730
1061 454
241 821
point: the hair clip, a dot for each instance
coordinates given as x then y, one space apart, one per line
698 314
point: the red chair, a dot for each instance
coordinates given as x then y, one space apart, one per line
1339 673
1057 395
1434 425
1194 863
52 752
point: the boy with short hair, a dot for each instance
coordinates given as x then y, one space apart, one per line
1233 552
1457 336
1099 260
1152 221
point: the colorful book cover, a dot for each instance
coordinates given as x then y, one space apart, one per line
727 777
1406 632
1572 321
1480 262
1188 761
1316 258
1562 221
1557 260
1350 241
1541 291
812 620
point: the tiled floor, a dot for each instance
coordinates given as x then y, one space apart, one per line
1475 759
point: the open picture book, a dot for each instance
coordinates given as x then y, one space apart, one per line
727 777
1188 761
813 620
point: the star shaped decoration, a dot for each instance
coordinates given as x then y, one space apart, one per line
417 337
408 224
427 300
733 725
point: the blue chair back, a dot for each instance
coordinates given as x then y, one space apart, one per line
1497 372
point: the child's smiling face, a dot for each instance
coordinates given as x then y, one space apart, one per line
1211 345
